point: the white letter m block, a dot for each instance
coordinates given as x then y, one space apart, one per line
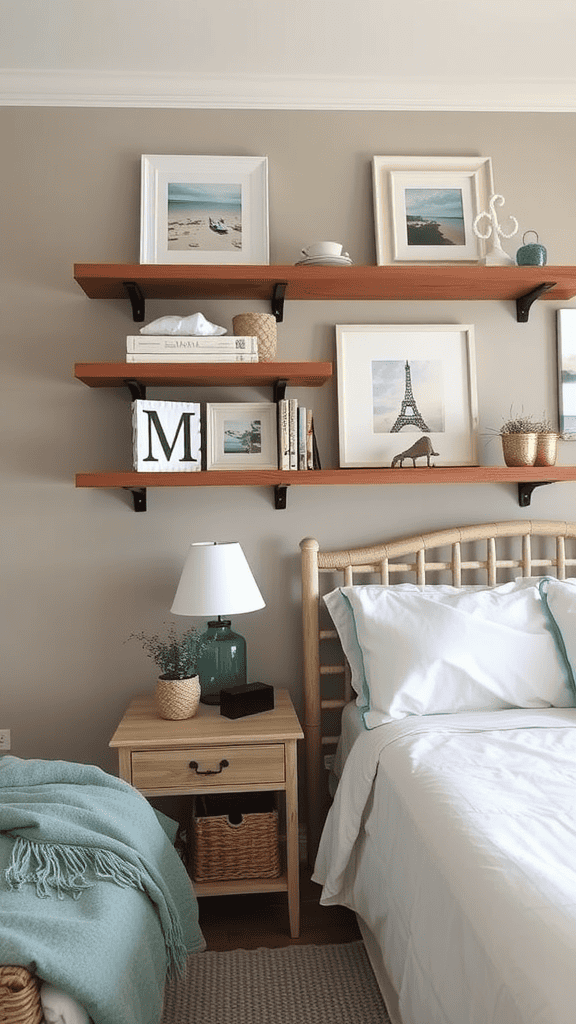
166 436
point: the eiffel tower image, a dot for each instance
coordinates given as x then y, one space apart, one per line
409 413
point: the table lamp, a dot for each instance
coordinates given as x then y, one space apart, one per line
217 580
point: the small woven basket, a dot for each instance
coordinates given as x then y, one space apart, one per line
177 698
224 851
261 325
19 997
547 449
519 449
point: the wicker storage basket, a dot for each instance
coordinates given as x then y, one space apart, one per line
229 844
19 997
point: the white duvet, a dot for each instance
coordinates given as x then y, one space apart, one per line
454 839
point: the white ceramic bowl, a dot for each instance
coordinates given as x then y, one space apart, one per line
323 249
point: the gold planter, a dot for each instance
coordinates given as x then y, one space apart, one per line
519 449
177 698
547 450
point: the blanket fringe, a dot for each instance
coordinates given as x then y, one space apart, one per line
64 871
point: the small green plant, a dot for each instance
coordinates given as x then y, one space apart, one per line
526 425
175 654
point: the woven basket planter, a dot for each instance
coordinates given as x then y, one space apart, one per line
547 450
519 449
177 698
223 850
261 325
19 997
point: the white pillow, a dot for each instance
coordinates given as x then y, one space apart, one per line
343 618
437 650
559 599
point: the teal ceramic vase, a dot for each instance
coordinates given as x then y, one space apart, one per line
531 254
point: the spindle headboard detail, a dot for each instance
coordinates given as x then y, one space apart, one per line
489 554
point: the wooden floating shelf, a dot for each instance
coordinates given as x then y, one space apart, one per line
527 478
332 477
158 281
275 284
110 375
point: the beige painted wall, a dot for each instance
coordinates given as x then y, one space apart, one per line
81 570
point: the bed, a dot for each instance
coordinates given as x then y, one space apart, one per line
96 908
450 726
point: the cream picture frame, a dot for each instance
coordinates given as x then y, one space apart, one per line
425 207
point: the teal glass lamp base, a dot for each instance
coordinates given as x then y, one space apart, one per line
223 662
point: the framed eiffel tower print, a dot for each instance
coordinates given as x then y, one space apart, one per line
407 395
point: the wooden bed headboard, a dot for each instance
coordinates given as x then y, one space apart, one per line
488 553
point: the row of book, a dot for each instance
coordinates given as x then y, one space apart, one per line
160 348
297 446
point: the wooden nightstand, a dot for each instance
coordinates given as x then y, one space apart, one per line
154 756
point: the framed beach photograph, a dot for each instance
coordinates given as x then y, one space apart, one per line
400 383
241 435
566 343
425 207
204 209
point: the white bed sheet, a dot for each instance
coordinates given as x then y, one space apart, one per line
461 862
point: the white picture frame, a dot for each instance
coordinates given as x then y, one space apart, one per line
241 435
425 207
566 346
379 367
182 196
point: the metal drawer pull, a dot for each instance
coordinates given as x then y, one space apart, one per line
209 771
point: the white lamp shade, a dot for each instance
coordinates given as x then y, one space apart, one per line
216 580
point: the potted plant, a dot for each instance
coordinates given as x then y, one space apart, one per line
547 449
176 655
528 442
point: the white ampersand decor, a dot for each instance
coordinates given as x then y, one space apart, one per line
495 256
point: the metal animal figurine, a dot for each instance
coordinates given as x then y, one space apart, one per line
419 450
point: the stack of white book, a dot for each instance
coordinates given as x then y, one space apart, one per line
169 348
297 448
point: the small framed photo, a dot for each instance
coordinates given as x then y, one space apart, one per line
566 341
425 207
204 209
400 384
241 435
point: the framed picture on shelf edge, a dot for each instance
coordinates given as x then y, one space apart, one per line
566 342
204 209
425 207
400 383
241 435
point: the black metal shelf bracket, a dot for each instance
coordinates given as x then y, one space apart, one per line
137 300
524 303
280 386
136 389
278 296
138 497
280 495
525 491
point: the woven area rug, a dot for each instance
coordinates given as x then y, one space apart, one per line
291 985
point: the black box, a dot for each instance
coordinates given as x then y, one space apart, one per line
239 701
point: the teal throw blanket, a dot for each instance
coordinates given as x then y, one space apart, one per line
89 872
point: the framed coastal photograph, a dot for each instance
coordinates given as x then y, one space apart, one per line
566 342
204 209
407 395
241 435
425 207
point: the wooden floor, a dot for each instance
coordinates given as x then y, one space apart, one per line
248 922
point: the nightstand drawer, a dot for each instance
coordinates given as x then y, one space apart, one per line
248 764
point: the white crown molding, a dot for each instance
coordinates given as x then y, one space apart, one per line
291 92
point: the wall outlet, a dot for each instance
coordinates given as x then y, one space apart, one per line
4 739
329 761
